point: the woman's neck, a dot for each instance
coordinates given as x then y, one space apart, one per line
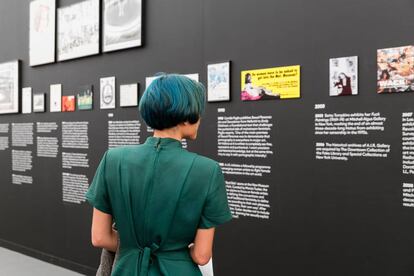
168 133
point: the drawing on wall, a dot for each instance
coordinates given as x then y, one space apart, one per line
395 69
39 103
85 97
55 98
149 80
42 32
122 24
9 87
27 100
218 82
128 94
271 84
107 93
343 76
78 30
68 103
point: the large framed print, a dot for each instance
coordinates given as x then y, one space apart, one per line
9 87
122 24
78 30
218 82
42 32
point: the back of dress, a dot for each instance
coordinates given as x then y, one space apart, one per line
159 195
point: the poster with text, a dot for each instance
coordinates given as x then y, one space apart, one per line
78 30
343 76
271 83
395 69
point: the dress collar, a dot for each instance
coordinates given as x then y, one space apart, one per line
163 142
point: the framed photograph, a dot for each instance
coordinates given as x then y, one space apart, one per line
9 87
395 69
39 103
107 93
343 76
276 83
42 32
85 97
218 82
68 103
78 30
122 24
56 98
128 94
27 100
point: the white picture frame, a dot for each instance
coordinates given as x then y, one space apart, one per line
107 93
9 87
128 95
218 82
39 100
56 97
26 100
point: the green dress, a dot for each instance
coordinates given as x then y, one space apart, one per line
159 194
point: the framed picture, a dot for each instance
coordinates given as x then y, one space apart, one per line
218 82
122 24
85 97
107 93
343 76
42 32
277 83
78 30
39 102
27 100
68 103
9 87
395 69
128 94
56 98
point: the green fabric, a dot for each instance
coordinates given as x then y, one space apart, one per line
159 195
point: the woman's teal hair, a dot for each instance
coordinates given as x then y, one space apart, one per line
172 99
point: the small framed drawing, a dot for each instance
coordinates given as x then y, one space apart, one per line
128 95
218 82
78 30
42 32
9 87
39 102
107 93
27 100
55 98
122 24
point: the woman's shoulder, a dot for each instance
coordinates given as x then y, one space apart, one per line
122 152
205 162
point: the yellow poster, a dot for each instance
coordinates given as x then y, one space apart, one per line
271 83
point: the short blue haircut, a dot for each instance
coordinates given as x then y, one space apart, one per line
172 99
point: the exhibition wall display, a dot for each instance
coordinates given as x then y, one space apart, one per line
318 183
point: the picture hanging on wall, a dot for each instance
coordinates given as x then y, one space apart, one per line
39 102
56 98
27 100
122 24
395 70
107 93
78 30
42 32
85 97
343 75
68 103
271 84
128 95
149 80
9 87
218 82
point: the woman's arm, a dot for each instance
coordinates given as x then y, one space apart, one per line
103 235
202 250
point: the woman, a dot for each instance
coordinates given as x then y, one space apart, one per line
343 85
255 93
166 201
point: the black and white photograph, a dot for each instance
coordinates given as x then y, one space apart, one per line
78 30
39 102
42 32
343 76
218 82
9 87
107 93
128 95
122 24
